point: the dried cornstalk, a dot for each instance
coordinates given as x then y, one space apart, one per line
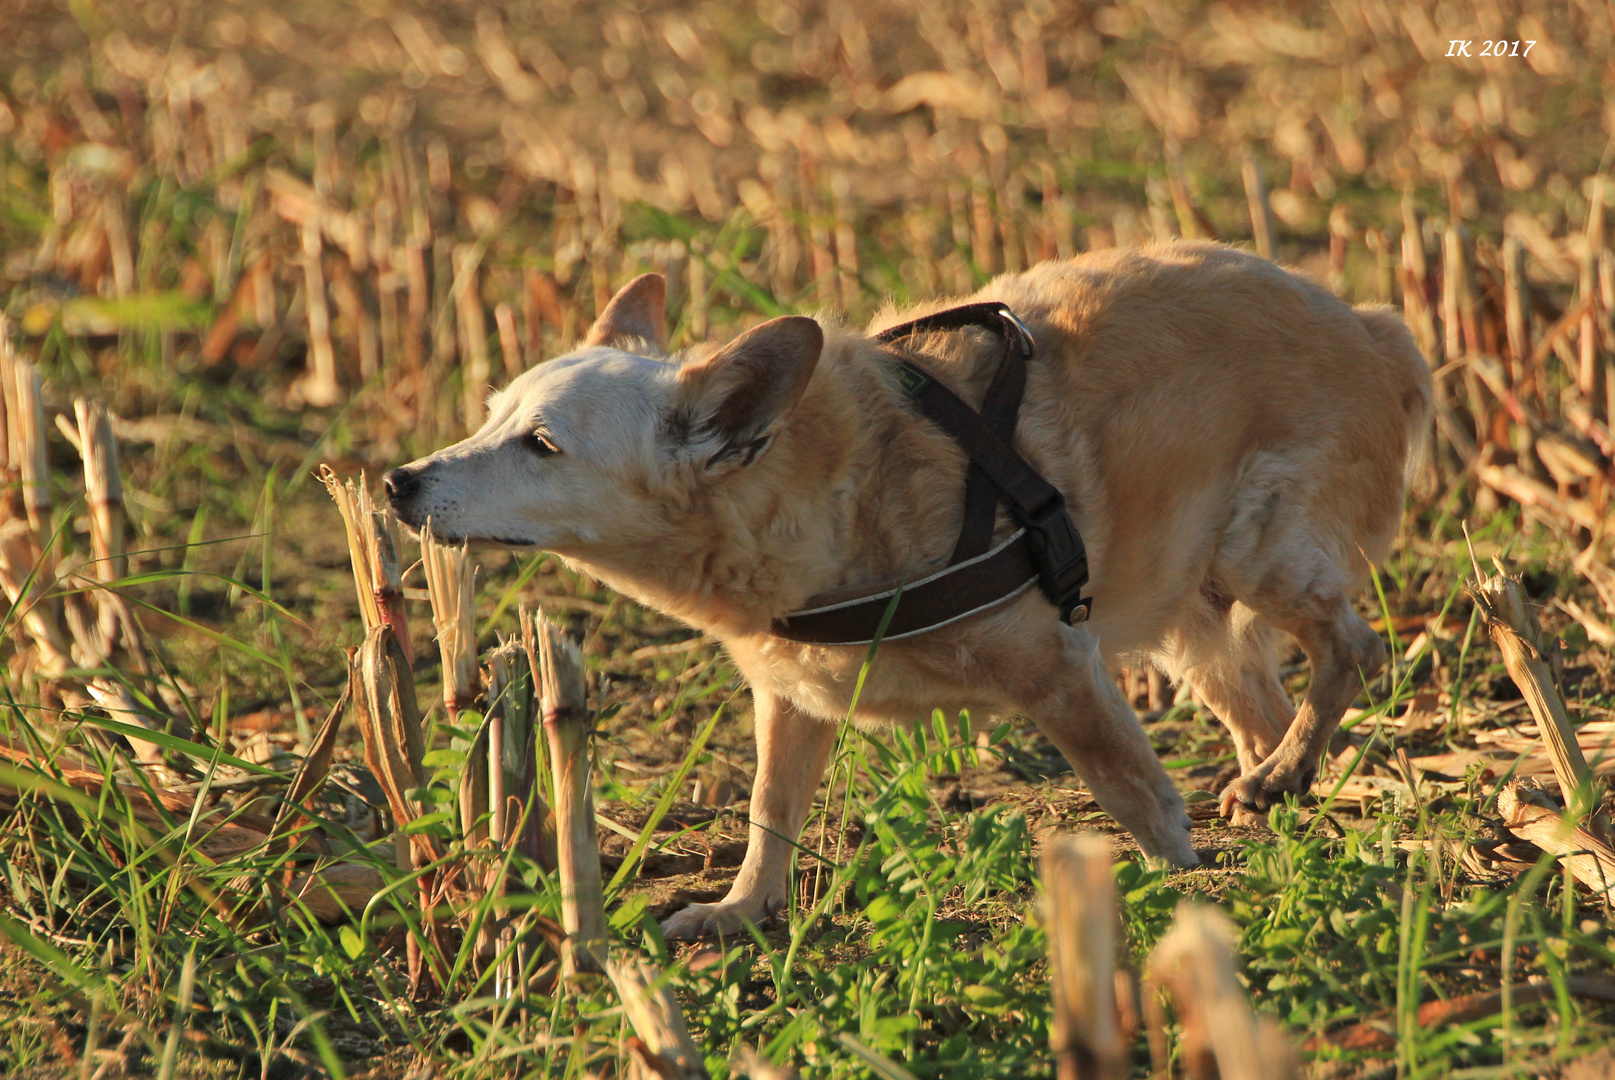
320 386
1222 1038
1377 1033
335 892
509 343
389 720
373 547
1517 308
1340 230
1531 815
1527 654
104 494
19 555
311 773
103 490
8 393
510 734
557 667
1537 497
1587 374
30 456
1454 292
499 775
1415 283
1081 914
24 568
473 334
474 797
1189 223
1261 213
661 1044
449 576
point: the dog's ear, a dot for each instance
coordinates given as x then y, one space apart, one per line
637 313
735 399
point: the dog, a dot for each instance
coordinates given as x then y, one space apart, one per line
1233 442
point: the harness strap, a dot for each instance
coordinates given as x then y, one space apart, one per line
999 408
950 594
1046 549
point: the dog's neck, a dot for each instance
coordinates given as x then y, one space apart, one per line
856 490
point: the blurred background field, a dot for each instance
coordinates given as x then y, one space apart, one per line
266 236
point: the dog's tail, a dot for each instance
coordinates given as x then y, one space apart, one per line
1410 378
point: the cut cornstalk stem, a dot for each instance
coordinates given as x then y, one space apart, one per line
320 388
389 721
474 795
1260 211
449 577
1222 1039
103 490
1517 309
558 672
510 351
1531 815
31 457
1080 901
25 569
1528 656
373 546
510 731
104 494
661 1045
1587 370
1416 281
473 333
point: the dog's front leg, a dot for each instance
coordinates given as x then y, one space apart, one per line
1085 716
792 750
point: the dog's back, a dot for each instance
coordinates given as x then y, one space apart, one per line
1189 396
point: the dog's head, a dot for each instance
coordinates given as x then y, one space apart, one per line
595 451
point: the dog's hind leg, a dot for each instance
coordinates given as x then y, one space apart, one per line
1303 592
1084 715
1236 677
792 750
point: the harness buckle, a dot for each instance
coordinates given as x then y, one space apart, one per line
1016 331
1061 560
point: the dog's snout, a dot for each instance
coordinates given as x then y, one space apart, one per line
401 485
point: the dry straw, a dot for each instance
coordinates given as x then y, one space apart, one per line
1221 1039
373 548
449 584
1080 904
557 667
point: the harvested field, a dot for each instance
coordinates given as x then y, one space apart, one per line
241 241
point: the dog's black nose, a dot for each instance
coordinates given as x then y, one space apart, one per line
400 485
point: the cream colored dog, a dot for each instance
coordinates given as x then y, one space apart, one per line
1230 437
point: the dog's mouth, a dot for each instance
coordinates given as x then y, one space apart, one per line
442 537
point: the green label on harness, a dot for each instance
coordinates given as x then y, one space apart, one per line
913 379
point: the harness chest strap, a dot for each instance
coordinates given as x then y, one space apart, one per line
1046 550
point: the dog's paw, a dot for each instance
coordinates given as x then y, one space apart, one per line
723 919
1265 786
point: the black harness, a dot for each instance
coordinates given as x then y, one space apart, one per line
1046 550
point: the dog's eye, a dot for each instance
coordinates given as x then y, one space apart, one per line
540 444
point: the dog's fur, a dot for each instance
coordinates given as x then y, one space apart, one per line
1230 437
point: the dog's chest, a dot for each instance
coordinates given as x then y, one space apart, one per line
904 682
